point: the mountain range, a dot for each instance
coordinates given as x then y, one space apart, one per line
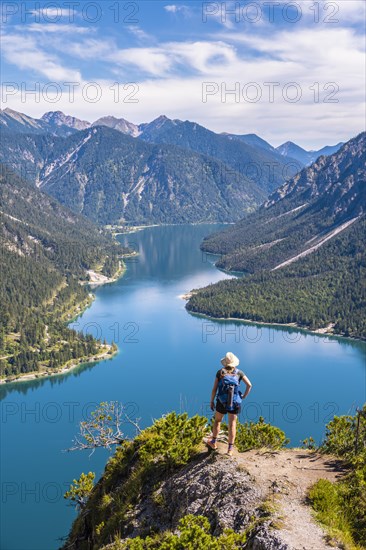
302 251
111 178
290 149
172 172
57 123
165 171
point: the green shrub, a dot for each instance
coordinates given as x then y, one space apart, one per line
309 443
193 534
342 506
255 435
169 443
329 502
173 439
80 490
340 436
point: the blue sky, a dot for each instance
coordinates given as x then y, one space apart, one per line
284 70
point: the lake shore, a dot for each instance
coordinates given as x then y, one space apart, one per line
324 331
122 230
125 230
98 279
106 352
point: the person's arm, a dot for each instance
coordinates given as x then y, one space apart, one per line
248 384
213 393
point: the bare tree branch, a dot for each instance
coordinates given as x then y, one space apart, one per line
104 427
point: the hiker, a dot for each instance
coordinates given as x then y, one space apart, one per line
229 398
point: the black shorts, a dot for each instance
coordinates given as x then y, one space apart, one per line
221 409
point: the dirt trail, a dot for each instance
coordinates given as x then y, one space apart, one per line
287 475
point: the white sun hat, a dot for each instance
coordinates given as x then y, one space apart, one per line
230 360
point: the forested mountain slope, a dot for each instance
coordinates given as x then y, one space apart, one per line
324 290
111 177
46 251
266 168
304 250
308 209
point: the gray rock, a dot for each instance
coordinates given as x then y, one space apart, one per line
265 538
212 486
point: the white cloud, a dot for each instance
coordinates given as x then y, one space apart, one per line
174 8
162 60
53 13
87 49
153 61
171 74
55 28
203 56
24 53
140 34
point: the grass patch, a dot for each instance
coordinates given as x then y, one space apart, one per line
341 507
328 503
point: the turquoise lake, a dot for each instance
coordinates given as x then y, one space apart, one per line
167 361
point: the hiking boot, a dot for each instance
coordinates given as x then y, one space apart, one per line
229 452
212 445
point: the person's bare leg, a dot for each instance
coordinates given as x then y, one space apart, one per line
217 424
215 431
232 431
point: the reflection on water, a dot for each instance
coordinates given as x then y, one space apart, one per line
31 385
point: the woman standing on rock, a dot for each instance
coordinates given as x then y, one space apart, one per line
229 398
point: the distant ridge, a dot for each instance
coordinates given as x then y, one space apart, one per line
56 119
290 149
57 123
119 124
251 139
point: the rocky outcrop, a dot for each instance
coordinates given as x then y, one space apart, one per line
257 499
214 486
211 485
265 538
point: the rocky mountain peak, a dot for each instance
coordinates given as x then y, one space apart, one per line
58 118
120 124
